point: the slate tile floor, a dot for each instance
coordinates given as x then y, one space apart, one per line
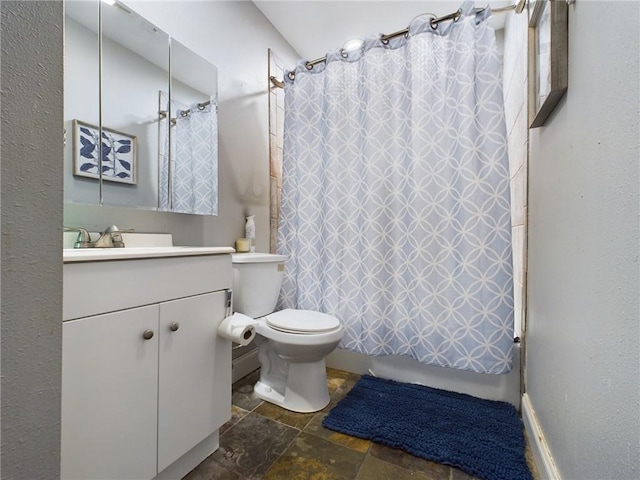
265 442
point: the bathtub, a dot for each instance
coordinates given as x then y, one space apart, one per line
505 387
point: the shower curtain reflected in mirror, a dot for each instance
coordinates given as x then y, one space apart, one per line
395 199
188 158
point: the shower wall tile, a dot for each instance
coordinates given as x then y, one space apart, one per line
280 96
272 111
517 140
278 166
518 291
273 195
514 104
273 148
274 234
280 126
276 138
272 63
515 78
518 253
518 197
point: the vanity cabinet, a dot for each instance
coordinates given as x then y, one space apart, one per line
144 388
109 394
187 389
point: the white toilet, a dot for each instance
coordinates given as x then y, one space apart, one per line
292 343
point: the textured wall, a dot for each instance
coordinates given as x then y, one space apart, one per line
31 217
234 36
583 311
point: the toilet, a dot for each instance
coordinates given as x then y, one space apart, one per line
292 344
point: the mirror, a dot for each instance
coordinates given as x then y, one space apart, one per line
82 95
156 132
191 181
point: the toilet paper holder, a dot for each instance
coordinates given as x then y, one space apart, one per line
238 328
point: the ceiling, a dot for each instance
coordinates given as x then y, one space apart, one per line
313 27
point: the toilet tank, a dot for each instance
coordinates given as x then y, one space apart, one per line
257 278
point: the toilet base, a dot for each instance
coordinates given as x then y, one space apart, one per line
306 388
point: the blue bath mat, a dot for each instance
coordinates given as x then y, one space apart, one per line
484 438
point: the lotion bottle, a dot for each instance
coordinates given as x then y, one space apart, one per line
250 233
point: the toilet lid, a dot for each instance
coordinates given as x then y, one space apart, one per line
302 321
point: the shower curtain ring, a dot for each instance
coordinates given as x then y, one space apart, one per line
291 75
308 66
343 53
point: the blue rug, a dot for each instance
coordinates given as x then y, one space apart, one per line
484 438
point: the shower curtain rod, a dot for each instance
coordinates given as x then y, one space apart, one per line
185 113
455 16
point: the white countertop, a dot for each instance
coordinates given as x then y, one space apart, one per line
71 255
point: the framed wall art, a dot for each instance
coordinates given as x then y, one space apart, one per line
118 150
548 57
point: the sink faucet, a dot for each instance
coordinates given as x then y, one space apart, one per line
83 240
110 238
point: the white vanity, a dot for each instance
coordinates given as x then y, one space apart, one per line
146 381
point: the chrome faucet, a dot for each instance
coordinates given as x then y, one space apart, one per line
83 240
110 238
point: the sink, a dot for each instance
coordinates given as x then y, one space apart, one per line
100 254
138 245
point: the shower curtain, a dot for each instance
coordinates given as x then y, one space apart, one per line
194 168
395 207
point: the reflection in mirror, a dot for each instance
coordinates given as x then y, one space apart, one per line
189 153
133 147
81 101
135 66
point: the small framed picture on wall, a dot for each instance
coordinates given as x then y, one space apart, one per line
117 149
548 57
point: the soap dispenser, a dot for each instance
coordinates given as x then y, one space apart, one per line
250 233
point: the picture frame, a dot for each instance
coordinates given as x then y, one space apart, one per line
118 149
548 57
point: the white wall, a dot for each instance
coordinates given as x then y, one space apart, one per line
234 36
31 211
583 359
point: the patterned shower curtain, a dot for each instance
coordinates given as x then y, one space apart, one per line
395 195
194 167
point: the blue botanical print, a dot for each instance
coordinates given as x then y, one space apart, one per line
117 153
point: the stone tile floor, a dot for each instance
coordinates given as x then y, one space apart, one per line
265 442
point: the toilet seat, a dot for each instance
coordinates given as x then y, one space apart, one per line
302 322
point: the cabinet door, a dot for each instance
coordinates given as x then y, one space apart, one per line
109 396
194 393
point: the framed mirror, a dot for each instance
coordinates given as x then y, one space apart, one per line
142 112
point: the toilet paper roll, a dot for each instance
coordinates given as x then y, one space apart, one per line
238 328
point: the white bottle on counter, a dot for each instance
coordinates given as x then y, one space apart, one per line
250 233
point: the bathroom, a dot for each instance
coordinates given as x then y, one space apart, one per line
581 370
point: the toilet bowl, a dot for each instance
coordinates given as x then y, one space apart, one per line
292 344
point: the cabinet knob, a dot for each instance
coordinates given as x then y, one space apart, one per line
148 334
174 326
